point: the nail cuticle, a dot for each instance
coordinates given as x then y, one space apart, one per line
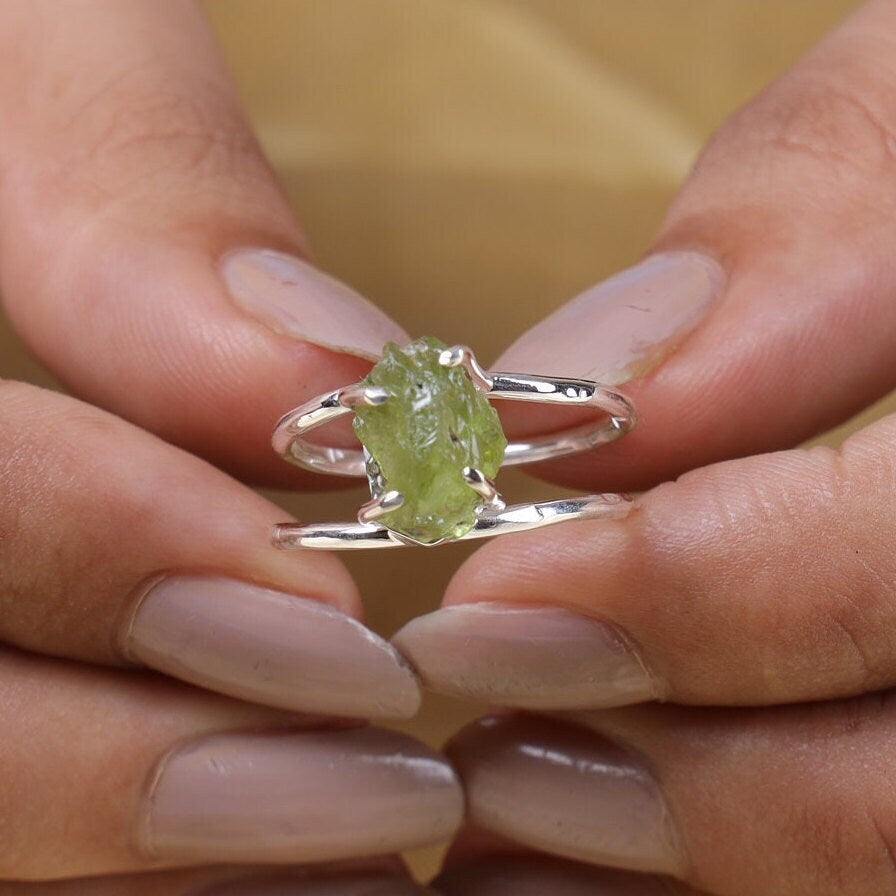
658 691
143 827
130 607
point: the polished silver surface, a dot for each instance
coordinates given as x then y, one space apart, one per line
484 487
342 536
462 356
289 435
493 516
379 506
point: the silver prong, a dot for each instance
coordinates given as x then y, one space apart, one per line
376 508
482 485
462 356
351 396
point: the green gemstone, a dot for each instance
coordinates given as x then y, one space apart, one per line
433 424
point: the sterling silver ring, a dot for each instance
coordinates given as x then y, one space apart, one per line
431 444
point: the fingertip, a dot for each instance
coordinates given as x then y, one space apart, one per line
152 261
297 300
626 325
147 329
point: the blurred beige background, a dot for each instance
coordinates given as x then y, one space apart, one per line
470 164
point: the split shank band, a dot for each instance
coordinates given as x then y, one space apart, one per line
290 442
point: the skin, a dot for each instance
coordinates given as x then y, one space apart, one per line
768 580
794 197
108 244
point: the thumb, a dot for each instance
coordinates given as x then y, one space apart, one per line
764 312
147 255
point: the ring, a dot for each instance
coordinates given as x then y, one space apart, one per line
431 445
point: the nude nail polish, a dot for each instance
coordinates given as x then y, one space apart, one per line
525 656
625 326
296 299
298 797
268 647
524 875
564 790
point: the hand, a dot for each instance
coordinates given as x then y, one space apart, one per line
126 172
756 596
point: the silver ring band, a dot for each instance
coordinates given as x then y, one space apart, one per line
290 443
517 518
486 514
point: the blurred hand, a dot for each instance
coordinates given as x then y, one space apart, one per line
138 229
767 584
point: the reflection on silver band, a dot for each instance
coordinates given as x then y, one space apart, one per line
342 536
290 443
492 515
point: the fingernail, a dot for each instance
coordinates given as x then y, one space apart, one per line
563 790
537 876
268 647
299 797
296 299
524 656
625 326
305 884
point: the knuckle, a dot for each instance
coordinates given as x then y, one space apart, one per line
769 525
842 826
57 466
823 838
851 853
140 129
856 588
860 597
883 843
834 124
846 621
807 135
858 813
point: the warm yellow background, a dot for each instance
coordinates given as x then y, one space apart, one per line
469 164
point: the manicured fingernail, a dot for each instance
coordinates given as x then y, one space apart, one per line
525 656
268 647
304 884
566 791
537 876
624 327
299 797
296 299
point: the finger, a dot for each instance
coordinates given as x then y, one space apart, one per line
107 772
536 875
118 548
138 220
761 580
791 800
763 314
368 879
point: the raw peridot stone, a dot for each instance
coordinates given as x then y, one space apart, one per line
433 424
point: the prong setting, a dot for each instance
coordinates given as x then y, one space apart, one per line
482 485
442 452
352 396
462 356
377 508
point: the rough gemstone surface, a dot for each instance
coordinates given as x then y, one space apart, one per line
433 424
